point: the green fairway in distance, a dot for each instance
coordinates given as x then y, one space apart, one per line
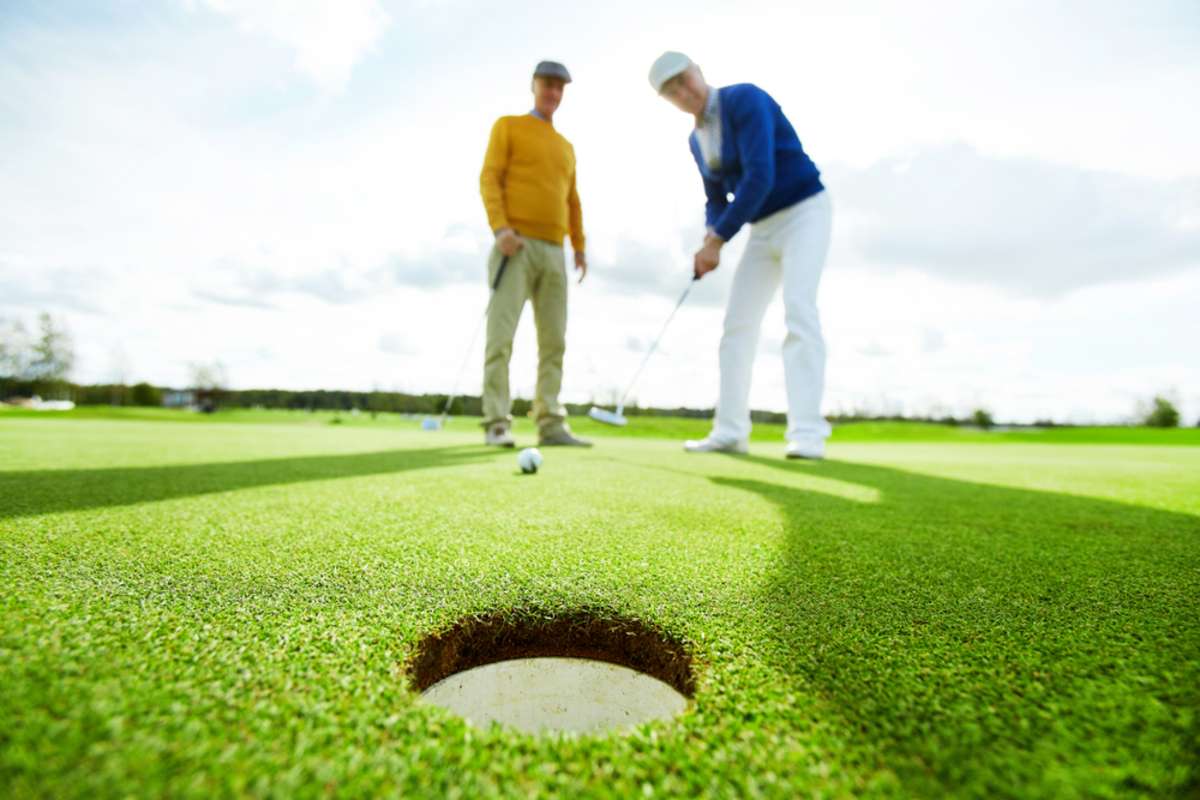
656 427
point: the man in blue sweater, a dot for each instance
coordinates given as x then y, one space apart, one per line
755 171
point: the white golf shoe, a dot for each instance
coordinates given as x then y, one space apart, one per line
711 445
813 449
498 436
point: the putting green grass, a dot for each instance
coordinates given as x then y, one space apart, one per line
228 607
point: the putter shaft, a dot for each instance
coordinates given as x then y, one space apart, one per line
653 347
471 347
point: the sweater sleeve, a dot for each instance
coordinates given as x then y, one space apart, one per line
491 178
714 194
575 222
754 124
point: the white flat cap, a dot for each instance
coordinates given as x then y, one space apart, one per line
667 66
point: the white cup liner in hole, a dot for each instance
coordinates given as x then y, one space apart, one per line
556 695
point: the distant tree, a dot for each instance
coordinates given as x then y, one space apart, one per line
208 382
144 394
1162 414
14 349
52 356
119 372
376 401
982 418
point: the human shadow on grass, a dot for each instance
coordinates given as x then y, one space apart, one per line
987 638
33 492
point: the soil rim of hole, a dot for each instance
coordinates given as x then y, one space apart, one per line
590 634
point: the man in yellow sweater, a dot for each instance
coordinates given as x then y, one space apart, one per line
528 188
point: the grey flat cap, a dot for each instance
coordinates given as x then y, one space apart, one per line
552 69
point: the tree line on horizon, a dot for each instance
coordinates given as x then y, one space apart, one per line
1160 412
40 363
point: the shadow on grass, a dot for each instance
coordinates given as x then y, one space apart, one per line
990 640
47 491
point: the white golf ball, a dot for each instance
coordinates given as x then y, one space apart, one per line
529 460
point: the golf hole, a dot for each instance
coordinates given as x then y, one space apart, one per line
576 674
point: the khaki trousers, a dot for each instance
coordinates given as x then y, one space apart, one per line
536 272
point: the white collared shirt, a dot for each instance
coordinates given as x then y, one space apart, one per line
708 132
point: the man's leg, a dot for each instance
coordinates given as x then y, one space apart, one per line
503 315
805 243
754 285
549 293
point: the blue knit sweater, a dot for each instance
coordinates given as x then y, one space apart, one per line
762 163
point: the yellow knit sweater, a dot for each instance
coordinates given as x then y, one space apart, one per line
528 181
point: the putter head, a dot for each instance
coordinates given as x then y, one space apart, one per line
607 417
431 424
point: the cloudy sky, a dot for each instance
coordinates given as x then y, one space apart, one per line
291 187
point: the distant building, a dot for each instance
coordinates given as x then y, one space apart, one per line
179 399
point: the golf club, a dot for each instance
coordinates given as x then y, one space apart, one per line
618 417
435 425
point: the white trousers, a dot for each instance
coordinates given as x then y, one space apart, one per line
788 246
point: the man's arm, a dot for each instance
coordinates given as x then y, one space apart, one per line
715 202
491 178
755 123
575 212
578 241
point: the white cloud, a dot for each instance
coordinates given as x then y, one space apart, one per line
327 38
25 285
932 340
1018 223
395 344
638 268
873 349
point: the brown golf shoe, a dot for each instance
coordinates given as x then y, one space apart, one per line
561 436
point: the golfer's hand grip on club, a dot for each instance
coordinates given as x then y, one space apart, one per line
708 257
508 241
